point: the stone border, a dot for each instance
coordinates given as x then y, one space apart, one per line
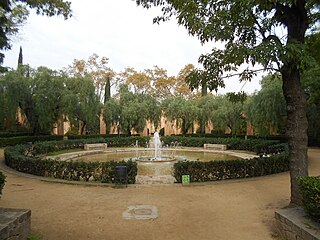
14 223
294 224
72 155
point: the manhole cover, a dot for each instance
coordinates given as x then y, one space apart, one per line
140 212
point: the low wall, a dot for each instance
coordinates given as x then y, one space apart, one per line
14 223
294 224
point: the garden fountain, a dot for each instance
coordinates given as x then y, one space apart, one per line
155 143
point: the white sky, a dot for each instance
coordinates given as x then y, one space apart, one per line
117 29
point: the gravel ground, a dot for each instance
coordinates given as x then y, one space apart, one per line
234 209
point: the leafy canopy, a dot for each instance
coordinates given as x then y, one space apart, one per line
252 32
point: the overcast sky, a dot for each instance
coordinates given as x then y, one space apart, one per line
117 29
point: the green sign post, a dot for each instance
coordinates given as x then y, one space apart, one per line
185 179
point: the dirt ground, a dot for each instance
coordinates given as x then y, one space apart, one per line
242 209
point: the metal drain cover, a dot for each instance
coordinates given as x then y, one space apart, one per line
140 212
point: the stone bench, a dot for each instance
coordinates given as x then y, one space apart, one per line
96 146
14 223
215 146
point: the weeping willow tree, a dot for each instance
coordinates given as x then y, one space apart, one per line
35 96
229 115
183 111
131 111
267 108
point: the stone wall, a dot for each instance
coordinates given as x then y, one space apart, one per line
294 224
14 224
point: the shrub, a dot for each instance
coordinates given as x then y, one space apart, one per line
257 145
54 146
231 169
97 136
14 134
2 181
10 141
310 190
17 158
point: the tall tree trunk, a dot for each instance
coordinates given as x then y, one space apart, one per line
297 125
295 18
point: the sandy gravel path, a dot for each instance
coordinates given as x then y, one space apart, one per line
242 209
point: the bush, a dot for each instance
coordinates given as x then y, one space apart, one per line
24 139
310 190
14 134
17 158
231 169
97 136
67 170
256 145
54 146
2 181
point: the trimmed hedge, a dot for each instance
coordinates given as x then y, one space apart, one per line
100 136
68 170
16 157
46 147
256 145
310 190
24 139
231 169
281 138
2 181
14 134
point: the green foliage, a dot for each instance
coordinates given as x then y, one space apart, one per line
267 108
257 145
132 110
311 84
229 115
10 141
207 106
310 190
70 137
231 169
37 96
2 181
46 147
14 134
82 104
68 170
184 112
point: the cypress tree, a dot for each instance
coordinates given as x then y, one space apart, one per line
20 59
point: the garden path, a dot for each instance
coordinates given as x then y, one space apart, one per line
234 209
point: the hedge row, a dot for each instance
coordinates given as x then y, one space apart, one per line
199 171
14 134
54 146
100 136
10 141
256 145
280 138
68 170
232 169
310 190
